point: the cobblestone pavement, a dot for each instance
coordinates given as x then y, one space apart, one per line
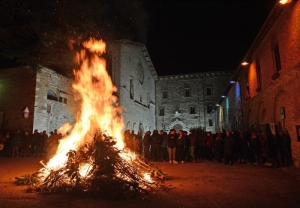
203 184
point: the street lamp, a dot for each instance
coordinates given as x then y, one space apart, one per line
285 1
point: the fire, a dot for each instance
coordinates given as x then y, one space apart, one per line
99 112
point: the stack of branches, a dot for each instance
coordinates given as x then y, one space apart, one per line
106 172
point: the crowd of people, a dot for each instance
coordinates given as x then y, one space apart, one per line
224 147
24 144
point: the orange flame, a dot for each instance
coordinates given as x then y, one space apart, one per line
99 108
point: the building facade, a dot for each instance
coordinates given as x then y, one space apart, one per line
148 102
268 87
133 73
186 101
47 95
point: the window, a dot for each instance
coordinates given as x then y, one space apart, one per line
63 100
51 95
187 92
148 99
277 58
161 112
210 122
208 91
258 71
165 94
192 110
131 88
209 108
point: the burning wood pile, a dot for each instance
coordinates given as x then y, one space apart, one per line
105 172
95 164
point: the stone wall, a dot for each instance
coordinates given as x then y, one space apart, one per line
186 110
134 75
51 113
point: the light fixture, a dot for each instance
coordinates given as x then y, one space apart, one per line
285 1
232 82
217 104
223 96
245 63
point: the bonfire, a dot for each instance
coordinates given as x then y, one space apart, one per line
93 157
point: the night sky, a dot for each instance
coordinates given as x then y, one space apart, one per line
212 35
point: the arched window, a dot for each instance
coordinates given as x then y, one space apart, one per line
51 95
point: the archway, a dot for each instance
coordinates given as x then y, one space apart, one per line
51 95
177 127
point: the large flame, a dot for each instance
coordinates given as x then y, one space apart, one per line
99 108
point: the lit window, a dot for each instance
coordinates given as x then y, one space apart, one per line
161 112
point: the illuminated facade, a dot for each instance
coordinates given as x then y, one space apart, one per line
185 101
268 87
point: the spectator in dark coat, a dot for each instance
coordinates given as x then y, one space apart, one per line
218 147
209 145
147 143
243 148
201 146
16 143
181 143
25 144
193 140
228 148
285 148
172 138
35 137
163 145
255 148
155 145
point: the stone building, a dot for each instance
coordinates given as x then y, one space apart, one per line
268 86
185 101
133 73
48 96
149 102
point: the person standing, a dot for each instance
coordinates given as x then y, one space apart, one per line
192 138
146 143
172 138
16 144
181 143
201 146
228 148
255 147
218 148
155 145
163 145
25 144
209 144
34 139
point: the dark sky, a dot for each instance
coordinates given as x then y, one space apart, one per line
211 35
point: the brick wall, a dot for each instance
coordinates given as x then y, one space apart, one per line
282 90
